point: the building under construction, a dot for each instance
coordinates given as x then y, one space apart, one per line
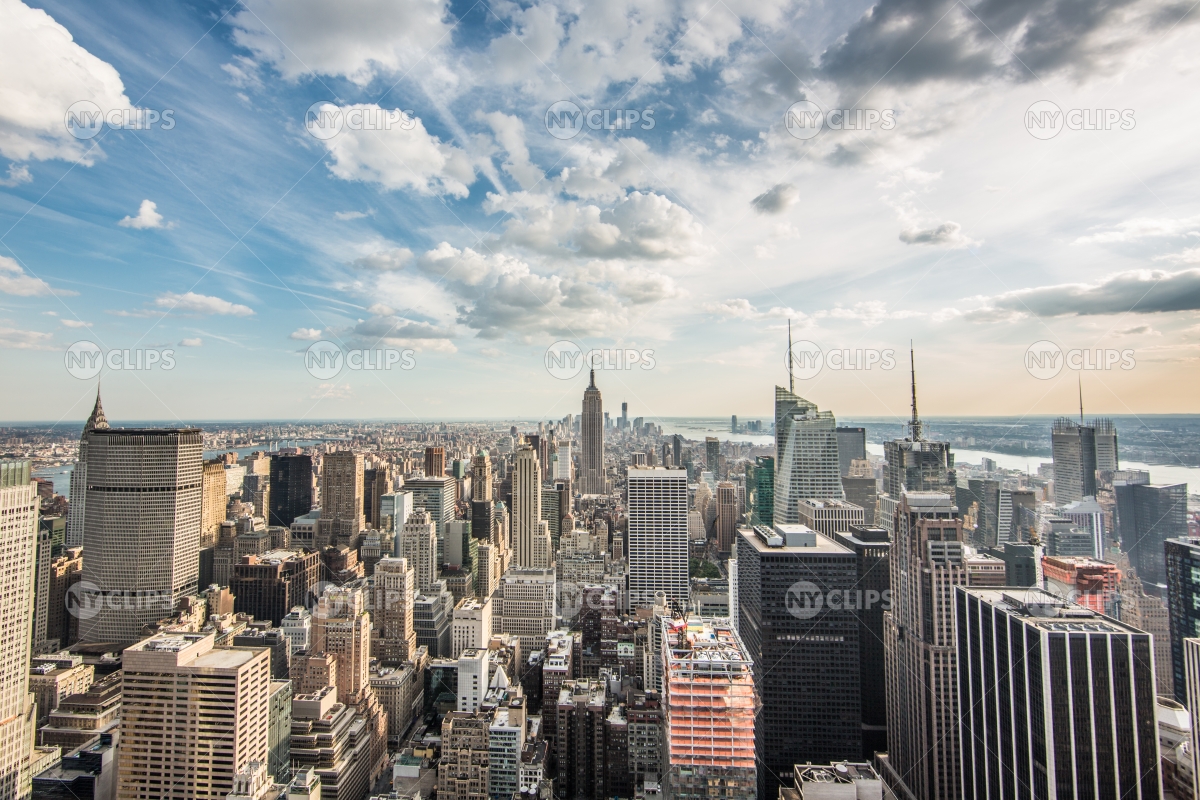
708 688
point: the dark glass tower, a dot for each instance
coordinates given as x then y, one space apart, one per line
291 488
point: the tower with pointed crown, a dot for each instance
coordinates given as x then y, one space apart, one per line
591 454
96 421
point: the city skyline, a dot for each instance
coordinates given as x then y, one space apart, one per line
471 236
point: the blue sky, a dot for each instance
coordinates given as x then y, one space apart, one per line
470 235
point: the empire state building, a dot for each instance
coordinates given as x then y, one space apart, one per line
591 455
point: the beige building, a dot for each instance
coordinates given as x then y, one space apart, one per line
192 717
212 501
525 606
393 639
55 677
829 515
342 516
530 536
463 768
471 626
418 545
18 537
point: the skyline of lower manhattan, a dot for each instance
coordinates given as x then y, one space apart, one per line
752 400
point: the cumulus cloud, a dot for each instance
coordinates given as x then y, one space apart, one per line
948 234
46 72
741 308
147 217
1132 230
17 174
1140 291
357 41
1188 256
193 303
777 199
400 157
14 280
385 260
193 342
26 340
305 334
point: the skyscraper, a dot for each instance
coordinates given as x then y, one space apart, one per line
712 455
915 464
806 455
438 496
1147 515
591 454
394 639
764 491
727 515
1074 449
418 546
658 536
18 536
141 535
530 533
852 445
1183 602
805 651
1056 701
213 501
341 499
927 562
291 488
192 716
435 462
75 517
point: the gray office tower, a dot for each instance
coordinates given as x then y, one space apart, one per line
871 546
917 465
1056 701
592 477
986 493
802 635
852 444
1147 515
1183 602
141 529
437 496
806 455
97 420
291 488
1079 450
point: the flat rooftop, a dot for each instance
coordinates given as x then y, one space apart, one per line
1044 610
823 545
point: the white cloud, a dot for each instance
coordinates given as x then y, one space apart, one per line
948 234
1188 256
385 260
193 342
13 280
344 216
17 174
777 199
25 340
357 40
45 72
75 323
1131 230
192 303
741 308
400 157
305 334
147 217
332 391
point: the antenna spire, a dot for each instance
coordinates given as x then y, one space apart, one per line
791 378
914 425
1080 379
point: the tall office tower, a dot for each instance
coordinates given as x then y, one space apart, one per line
927 562
212 501
435 462
471 625
463 768
1056 701
291 488
1074 449
481 477
377 482
591 429
914 464
806 455
146 481
394 509
1107 457
525 605
1183 602
19 504
852 446
763 505
79 482
712 455
394 640
562 470
418 544
270 585
727 516
1147 515
862 489
256 489
710 703
341 499
829 516
871 546
657 541
341 627
439 497
65 571
986 493
809 712
192 716
528 528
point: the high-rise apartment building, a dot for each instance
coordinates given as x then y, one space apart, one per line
75 517
146 480
657 542
192 716
418 545
1055 700
291 488
592 479
852 446
1183 602
19 504
805 651
710 703
530 533
394 638
435 462
212 502
806 455
342 516
1147 516
927 561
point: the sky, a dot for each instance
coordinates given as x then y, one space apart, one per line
990 181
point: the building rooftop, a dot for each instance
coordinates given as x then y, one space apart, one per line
798 539
1044 610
